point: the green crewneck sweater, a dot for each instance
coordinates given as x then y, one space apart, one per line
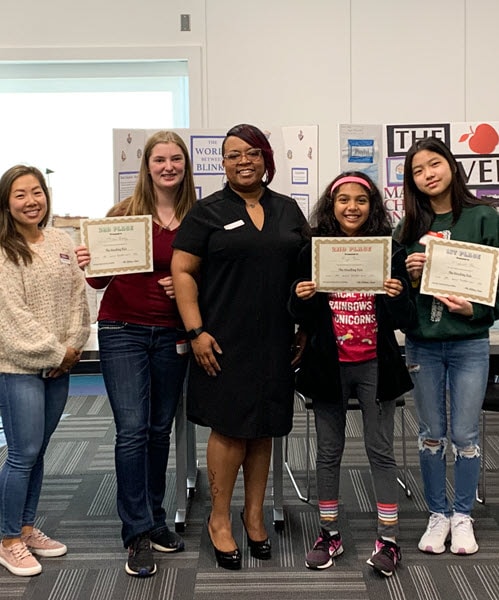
479 225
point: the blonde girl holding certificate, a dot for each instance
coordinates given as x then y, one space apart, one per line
143 353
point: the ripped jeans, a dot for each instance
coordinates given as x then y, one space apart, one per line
463 367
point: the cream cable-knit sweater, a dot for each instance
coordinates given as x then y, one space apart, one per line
43 306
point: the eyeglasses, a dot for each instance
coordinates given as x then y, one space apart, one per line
251 154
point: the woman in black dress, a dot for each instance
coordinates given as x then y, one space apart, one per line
234 262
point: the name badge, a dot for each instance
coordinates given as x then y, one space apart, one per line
234 225
64 258
182 347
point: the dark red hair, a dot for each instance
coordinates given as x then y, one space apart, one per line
256 139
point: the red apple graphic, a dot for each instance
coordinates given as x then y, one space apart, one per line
483 140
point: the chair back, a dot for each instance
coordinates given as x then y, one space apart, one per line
491 400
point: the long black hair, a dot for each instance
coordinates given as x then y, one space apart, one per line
419 214
12 242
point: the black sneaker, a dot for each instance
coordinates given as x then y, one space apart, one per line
164 540
140 560
385 557
326 548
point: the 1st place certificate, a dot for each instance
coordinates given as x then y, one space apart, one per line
118 245
351 264
461 269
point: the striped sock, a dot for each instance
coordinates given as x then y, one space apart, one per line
387 514
328 514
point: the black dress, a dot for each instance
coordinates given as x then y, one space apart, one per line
244 286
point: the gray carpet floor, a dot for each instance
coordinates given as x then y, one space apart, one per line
78 507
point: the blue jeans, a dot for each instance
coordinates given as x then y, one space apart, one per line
31 408
143 375
463 367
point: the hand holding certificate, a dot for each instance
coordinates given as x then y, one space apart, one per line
461 269
351 264
118 245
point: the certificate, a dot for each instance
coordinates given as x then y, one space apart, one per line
461 269
351 264
118 245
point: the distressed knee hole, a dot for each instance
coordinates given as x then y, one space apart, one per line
432 446
413 368
468 452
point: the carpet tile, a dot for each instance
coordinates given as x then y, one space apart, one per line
78 506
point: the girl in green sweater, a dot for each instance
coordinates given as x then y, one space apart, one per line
448 348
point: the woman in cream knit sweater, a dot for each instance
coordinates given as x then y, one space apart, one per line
44 323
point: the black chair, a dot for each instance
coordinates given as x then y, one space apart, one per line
490 404
353 404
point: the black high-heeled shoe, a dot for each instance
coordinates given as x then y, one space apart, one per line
261 550
227 560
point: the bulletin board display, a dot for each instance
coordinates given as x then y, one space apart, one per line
379 151
295 154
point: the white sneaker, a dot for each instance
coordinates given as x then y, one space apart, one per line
462 535
433 539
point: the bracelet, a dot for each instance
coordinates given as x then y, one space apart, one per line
192 334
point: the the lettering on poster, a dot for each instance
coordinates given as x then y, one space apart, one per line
299 176
475 146
393 199
127 181
303 201
206 154
479 170
399 138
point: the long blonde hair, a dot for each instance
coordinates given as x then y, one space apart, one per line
143 199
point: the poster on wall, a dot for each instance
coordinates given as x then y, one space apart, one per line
379 150
295 154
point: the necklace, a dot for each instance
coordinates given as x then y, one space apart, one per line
167 226
253 204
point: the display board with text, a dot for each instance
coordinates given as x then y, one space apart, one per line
295 155
379 151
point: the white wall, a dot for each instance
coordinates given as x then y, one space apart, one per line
99 23
282 62
287 62
408 60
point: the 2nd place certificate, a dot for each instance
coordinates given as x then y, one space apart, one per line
118 245
461 269
351 264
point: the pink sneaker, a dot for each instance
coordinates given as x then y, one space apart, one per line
40 544
18 560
